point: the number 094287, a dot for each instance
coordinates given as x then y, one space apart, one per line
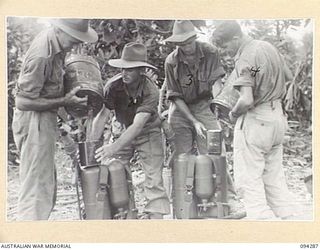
310 246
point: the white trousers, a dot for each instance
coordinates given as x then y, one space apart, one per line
258 170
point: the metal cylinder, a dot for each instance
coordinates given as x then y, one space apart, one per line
95 196
90 184
87 152
102 196
204 178
167 181
221 164
220 209
225 101
180 169
83 70
118 185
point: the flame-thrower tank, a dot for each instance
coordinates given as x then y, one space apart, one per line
106 188
118 188
200 182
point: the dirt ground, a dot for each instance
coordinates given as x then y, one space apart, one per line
297 164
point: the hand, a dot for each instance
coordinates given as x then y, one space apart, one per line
71 98
232 118
105 152
200 129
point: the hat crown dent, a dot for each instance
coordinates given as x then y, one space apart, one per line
182 27
133 55
81 25
77 28
134 52
182 31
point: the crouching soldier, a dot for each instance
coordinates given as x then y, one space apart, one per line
134 99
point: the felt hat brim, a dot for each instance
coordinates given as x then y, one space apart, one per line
120 63
180 38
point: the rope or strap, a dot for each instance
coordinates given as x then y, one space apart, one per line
189 187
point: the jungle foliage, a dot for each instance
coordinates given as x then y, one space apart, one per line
115 33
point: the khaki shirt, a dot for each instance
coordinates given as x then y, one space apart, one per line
117 98
42 69
193 86
259 65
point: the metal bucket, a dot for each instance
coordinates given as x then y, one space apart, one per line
224 102
87 153
83 70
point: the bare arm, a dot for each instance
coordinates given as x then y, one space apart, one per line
129 134
161 104
244 102
43 104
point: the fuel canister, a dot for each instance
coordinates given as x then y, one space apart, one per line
87 153
181 208
83 71
225 101
204 178
90 184
118 190
214 142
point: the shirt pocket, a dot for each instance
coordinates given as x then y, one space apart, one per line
205 84
206 80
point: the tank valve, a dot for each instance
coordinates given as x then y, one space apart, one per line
121 215
205 205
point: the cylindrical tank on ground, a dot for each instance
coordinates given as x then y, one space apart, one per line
90 184
204 178
118 186
180 170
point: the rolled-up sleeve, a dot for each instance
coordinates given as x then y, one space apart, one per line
32 77
173 89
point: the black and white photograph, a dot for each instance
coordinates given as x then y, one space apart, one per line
159 119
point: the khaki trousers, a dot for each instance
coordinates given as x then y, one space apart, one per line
150 151
35 137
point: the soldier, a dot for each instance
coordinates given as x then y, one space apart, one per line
193 75
40 93
134 98
260 76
